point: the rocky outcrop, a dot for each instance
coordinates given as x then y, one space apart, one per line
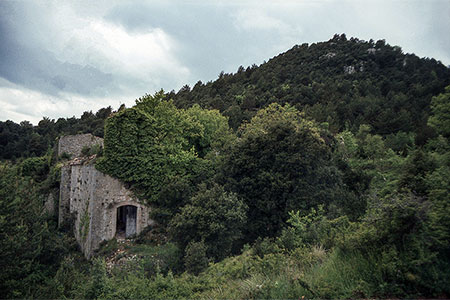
97 206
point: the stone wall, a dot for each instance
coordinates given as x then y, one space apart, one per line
89 201
64 197
74 144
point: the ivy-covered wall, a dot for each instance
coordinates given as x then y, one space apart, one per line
89 200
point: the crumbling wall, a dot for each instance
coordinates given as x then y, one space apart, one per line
89 200
74 144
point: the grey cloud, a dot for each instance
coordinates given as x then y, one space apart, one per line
38 69
27 63
209 41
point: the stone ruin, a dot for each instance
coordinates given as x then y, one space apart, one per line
97 206
73 144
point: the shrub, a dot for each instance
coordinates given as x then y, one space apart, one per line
212 215
195 259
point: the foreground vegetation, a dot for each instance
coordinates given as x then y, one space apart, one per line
290 204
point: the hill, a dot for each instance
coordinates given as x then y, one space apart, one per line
344 82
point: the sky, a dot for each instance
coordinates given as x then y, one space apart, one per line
59 58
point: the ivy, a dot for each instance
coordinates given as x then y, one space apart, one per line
154 144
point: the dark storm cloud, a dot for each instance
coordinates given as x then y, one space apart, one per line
207 33
35 67
197 29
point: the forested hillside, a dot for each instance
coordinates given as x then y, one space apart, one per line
323 173
343 82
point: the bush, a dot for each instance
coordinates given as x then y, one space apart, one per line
160 259
36 167
92 150
195 259
313 229
213 216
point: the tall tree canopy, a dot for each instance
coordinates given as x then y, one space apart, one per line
281 163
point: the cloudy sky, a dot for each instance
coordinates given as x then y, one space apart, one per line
60 58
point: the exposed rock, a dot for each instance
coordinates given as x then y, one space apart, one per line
371 50
349 69
49 205
329 55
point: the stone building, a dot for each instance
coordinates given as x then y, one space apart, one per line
97 206
73 144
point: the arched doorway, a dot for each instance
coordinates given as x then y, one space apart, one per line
126 221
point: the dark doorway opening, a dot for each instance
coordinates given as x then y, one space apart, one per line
126 221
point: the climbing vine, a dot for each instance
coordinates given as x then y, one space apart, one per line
84 223
154 144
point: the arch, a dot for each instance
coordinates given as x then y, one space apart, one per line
141 217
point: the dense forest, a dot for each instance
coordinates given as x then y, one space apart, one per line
322 173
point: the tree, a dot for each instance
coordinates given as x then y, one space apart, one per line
281 163
195 259
213 216
440 119
215 134
415 170
30 246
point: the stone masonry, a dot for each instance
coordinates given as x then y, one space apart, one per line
89 201
74 144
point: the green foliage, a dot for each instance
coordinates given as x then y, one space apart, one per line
215 131
415 170
313 229
440 119
35 167
395 230
31 246
154 144
401 142
95 149
213 216
100 285
195 259
148 146
281 163
65 156
70 277
389 90
376 166
157 260
25 140
346 275
438 183
356 207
